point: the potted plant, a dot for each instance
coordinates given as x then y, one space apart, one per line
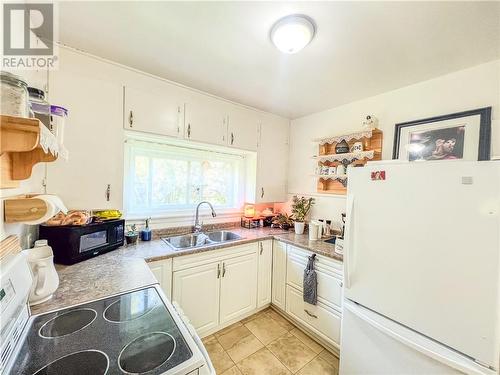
300 209
132 235
284 221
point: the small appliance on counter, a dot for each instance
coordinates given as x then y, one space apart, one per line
45 277
75 243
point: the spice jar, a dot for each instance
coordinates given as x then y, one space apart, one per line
13 95
39 106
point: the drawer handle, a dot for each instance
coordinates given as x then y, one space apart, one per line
311 315
261 248
218 270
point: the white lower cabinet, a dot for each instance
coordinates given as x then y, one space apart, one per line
265 273
324 318
321 319
238 287
216 288
162 270
328 273
279 274
197 291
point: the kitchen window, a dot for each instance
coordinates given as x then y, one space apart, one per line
163 178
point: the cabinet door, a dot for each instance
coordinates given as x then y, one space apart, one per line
243 128
265 272
238 287
162 270
272 163
206 119
196 290
160 111
93 136
279 274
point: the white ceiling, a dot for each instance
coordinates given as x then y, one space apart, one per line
360 49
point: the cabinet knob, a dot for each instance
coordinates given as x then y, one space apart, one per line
131 119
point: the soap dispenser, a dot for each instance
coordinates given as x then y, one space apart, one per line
146 232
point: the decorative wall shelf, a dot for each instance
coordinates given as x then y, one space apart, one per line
24 142
346 137
371 141
24 208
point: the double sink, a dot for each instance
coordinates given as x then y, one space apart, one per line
195 240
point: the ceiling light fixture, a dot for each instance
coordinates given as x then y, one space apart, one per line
292 33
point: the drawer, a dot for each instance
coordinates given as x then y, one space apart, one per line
323 320
328 272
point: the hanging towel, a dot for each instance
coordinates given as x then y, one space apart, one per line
310 282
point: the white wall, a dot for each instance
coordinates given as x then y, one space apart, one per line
471 88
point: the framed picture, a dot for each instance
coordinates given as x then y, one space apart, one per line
464 135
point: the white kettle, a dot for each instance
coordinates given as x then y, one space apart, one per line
45 277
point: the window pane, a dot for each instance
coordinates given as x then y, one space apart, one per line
217 182
169 182
174 178
140 181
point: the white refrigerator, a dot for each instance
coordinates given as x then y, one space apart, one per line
421 263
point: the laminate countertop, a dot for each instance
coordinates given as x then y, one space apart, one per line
126 268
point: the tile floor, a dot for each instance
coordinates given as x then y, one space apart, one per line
268 344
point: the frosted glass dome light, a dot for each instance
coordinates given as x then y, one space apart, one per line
292 33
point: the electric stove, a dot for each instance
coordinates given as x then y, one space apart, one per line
138 332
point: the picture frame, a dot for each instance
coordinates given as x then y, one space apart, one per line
463 135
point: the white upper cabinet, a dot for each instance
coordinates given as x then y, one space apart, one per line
158 111
206 119
272 160
93 175
243 128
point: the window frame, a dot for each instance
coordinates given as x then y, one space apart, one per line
148 148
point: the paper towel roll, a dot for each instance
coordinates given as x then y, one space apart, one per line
54 205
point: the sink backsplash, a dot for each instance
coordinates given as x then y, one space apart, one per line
172 231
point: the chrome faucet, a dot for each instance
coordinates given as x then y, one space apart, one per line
197 224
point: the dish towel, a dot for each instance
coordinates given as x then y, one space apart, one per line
310 282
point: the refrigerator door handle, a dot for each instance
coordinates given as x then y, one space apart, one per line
349 242
411 344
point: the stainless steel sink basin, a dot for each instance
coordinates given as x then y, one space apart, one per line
192 240
223 236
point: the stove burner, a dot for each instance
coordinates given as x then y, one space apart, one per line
146 352
67 323
80 363
131 306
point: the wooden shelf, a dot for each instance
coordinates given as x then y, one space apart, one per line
23 208
24 142
372 150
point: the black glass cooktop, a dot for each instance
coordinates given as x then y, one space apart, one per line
133 333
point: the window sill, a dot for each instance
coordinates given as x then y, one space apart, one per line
184 218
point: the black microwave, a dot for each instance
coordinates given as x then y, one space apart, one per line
74 243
